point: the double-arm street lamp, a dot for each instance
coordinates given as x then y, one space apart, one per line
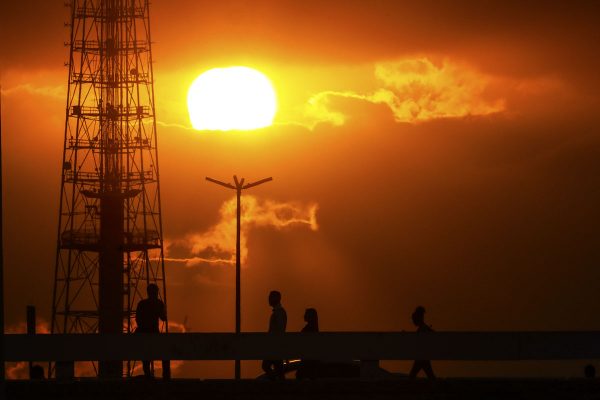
238 187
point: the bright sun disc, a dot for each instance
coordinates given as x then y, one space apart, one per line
234 98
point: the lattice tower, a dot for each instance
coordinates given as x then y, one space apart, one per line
110 244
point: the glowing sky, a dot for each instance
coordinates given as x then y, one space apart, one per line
444 154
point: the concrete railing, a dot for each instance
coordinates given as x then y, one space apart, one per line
321 346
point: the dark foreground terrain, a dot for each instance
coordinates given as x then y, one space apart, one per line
463 389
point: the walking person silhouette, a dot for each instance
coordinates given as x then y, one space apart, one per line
277 324
147 314
418 319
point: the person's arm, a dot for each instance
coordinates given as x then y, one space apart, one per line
137 320
163 312
272 323
281 321
284 321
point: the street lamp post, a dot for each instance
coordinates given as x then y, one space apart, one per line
238 187
1 265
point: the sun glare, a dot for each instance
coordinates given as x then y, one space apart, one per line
233 98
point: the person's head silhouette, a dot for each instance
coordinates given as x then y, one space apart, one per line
418 316
152 291
274 298
311 318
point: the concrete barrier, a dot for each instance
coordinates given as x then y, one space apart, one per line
324 346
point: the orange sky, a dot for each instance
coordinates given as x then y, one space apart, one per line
435 154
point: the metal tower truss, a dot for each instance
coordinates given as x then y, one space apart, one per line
110 244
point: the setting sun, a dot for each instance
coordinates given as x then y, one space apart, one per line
234 98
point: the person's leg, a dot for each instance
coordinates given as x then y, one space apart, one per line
166 369
414 371
301 371
278 367
428 370
266 366
147 369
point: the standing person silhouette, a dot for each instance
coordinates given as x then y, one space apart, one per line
309 368
277 324
418 318
312 320
147 314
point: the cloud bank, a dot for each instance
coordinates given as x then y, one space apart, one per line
414 90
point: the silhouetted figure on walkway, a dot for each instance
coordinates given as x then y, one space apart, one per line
308 369
277 324
147 316
418 318
589 371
